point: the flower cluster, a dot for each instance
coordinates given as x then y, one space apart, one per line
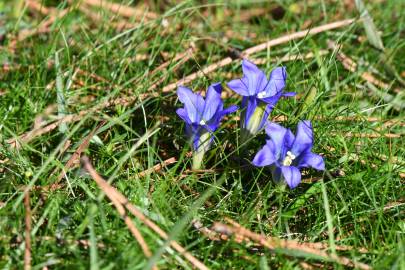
284 153
260 96
202 117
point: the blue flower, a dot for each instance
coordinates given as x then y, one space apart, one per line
259 95
287 154
202 117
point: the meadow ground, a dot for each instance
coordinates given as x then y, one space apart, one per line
80 79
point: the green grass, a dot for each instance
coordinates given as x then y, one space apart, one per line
347 207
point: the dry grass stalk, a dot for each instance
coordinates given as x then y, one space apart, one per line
74 160
285 58
38 7
29 136
181 57
296 35
198 74
94 76
274 243
367 135
28 223
386 123
216 236
158 167
44 26
97 18
319 245
111 192
288 57
207 232
350 65
312 266
283 39
122 10
118 205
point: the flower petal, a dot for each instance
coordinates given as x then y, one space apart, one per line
251 104
289 139
193 103
213 101
276 134
276 174
267 111
230 109
214 122
303 138
183 115
292 175
310 159
272 100
289 94
194 132
265 156
239 86
276 82
256 78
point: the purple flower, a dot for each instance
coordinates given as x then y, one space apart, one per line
287 154
202 117
260 94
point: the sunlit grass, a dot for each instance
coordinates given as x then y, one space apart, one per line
358 203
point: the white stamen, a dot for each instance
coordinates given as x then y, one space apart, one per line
262 94
288 159
202 122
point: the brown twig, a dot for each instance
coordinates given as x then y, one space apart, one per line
74 160
97 18
120 208
274 243
367 135
198 74
30 135
350 65
296 35
94 76
319 245
283 39
43 27
288 57
158 167
38 7
111 192
216 236
385 122
207 232
125 11
28 222
183 57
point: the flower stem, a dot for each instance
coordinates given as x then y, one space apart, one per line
256 119
253 124
198 157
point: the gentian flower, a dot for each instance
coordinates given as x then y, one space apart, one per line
260 95
288 154
202 117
